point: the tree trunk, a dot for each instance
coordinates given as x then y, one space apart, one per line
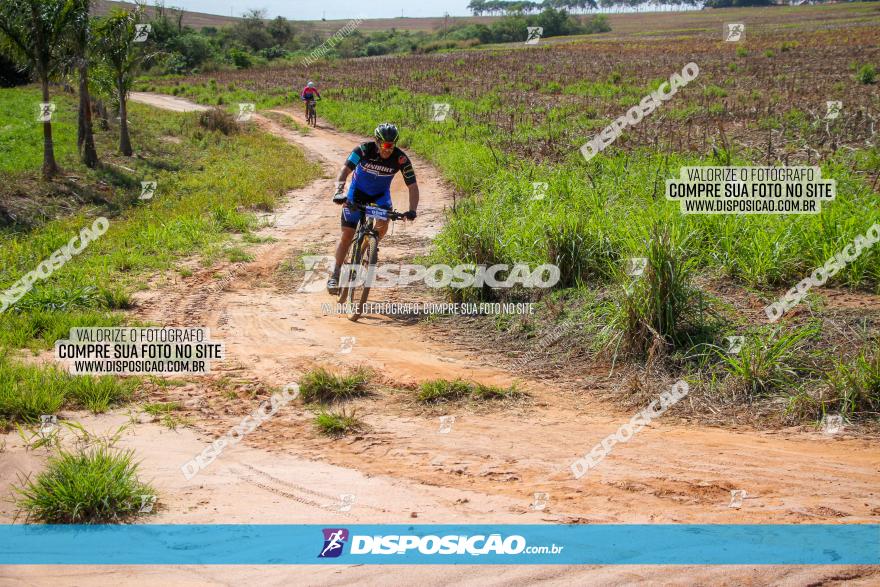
80 121
101 111
87 141
124 139
50 167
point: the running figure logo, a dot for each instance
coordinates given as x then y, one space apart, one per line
334 540
735 31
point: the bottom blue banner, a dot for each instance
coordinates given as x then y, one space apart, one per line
650 544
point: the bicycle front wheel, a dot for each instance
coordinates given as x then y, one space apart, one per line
348 276
369 258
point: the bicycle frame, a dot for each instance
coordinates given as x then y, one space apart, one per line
311 111
364 232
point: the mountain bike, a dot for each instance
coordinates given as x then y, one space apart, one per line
356 277
311 113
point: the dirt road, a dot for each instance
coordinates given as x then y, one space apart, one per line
487 468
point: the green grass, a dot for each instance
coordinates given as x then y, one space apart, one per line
586 226
854 386
337 423
288 122
202 195
165 413
770 361
97 485
444 390
160 408
322 386
98 394
661 304
29 391
867 74
484 392
21 136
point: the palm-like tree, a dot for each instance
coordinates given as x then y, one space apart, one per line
32 31
114 43
79 37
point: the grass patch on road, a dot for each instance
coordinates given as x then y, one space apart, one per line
321 386
444 390
338 423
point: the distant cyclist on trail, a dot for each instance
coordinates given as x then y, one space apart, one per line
374 163
310 92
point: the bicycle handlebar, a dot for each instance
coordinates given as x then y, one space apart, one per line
391 214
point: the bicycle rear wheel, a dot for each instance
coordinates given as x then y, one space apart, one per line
368 260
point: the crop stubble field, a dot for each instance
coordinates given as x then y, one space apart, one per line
767 93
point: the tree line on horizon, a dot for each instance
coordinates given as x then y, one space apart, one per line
506 7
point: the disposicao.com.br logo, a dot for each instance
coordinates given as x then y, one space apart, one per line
453 544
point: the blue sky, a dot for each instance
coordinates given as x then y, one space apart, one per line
334 9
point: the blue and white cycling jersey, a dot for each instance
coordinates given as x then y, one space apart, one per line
373 174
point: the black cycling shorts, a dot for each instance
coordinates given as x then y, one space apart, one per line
350 218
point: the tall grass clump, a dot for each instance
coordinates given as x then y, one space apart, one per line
337 423
661 306
92 485
854 386
770 361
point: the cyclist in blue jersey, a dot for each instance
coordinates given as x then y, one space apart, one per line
374 164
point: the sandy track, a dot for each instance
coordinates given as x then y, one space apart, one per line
485 470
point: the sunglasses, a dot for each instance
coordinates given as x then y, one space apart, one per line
386 146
